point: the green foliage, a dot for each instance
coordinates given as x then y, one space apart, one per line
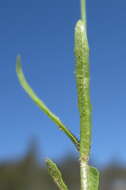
93 178
56 174
89 175
83 87
41 104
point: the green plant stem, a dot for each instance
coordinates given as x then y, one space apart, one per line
83 10
83 88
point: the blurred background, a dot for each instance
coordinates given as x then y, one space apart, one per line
43 33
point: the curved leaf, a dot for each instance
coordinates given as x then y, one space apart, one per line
41 104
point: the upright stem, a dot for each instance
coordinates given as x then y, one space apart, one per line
83 10
83 88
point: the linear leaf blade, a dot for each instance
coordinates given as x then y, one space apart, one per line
41 104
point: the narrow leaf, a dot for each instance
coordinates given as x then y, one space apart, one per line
41 104
56 174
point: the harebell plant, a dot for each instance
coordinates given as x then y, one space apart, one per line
89 176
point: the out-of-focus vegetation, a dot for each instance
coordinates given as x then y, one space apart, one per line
29 174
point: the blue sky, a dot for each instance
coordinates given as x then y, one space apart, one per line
43 33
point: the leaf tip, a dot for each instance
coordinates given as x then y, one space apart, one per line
18 63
